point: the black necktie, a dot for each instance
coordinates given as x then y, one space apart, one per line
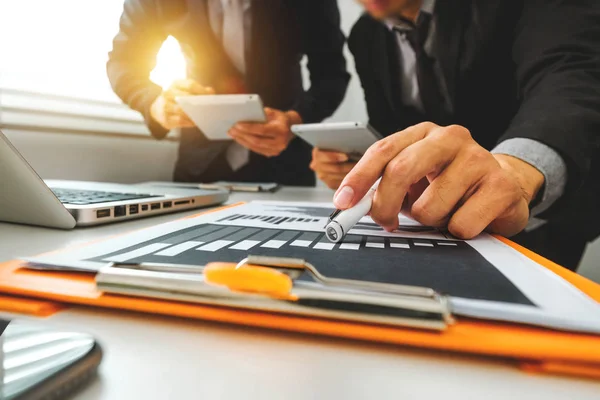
431 97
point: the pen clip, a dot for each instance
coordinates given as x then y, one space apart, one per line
334 214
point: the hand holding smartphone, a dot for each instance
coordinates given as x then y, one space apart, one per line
337 147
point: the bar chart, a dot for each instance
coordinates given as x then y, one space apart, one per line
271 219
448 266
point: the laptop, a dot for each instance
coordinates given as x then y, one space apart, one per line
26 199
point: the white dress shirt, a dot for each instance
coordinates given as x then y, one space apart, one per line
230 21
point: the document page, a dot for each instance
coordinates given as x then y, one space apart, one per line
483 277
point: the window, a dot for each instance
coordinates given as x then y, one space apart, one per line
53 67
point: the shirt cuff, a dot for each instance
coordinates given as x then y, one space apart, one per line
546 160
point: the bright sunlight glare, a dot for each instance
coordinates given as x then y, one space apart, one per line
170 64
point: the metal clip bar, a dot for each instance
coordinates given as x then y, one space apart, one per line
299 265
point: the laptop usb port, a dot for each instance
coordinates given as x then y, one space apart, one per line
167 204
103 213
155 206
182 202
144 207
133 209
120 211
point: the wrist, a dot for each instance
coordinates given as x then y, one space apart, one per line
528 176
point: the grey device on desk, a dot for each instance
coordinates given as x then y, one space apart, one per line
242 186
27 199
248 187
352 138
41 362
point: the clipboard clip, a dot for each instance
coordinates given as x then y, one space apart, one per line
275 278
294 267
375 302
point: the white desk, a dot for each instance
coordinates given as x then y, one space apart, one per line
151 357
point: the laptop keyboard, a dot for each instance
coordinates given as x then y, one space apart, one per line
85 197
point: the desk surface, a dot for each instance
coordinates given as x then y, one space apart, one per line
155 357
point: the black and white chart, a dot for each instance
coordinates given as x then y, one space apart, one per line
483 277
448 266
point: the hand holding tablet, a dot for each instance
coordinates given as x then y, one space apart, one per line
352 138
215 115
165 109
337 147
269 139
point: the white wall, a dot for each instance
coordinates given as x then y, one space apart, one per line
98 158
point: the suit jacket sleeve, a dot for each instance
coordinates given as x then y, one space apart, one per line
558 73
133 57
323 43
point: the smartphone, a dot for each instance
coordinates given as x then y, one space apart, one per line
352 138
41 362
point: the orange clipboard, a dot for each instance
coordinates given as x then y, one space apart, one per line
531 348
31 307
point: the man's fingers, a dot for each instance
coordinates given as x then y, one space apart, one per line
251 142
256 129
265 151
255 141
172 108
172 93
512 221
427 156
372 164
190 86
497 197
182 84
441 198
258 141
413 194
327 168
270 113
178 121
332 181
323 156
330 176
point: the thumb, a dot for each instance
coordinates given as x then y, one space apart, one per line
356 185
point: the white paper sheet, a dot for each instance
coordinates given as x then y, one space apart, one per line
556 303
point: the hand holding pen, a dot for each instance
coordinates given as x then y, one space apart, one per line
341 221
442 178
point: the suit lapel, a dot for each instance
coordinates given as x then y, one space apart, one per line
450 20
380 59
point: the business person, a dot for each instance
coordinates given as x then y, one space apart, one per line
235 46
492 116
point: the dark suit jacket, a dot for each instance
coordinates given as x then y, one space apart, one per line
282 32
526 69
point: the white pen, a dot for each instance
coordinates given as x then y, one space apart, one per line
340 222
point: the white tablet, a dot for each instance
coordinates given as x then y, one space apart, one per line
352 138
214 115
